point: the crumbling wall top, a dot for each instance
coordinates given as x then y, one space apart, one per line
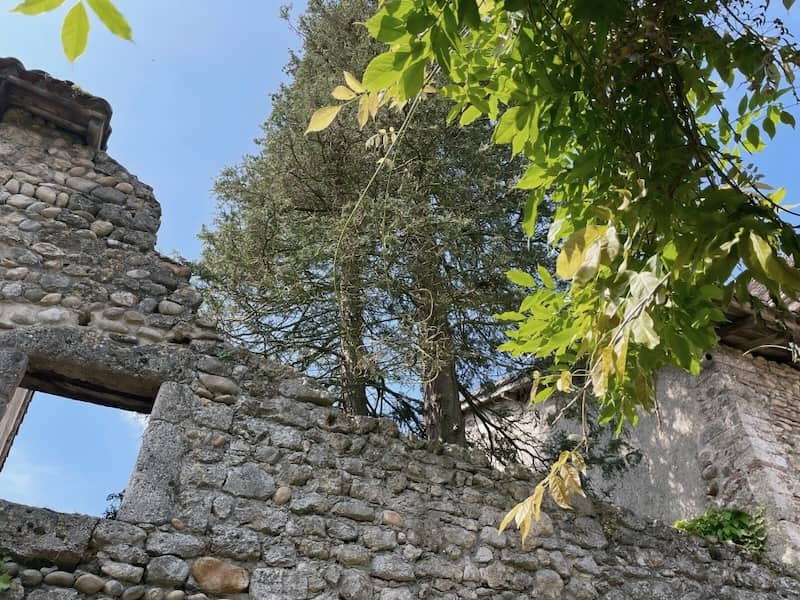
60 102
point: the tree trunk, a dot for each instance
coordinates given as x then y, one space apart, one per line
351 325
443 419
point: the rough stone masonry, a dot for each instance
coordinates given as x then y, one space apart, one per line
248 484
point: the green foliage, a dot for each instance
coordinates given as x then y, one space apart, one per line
75 28
730 525
624 112
375 293
5 578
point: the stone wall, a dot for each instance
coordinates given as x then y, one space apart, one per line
77 242
248 484
728 438
275 498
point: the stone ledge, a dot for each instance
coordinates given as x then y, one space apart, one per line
39 536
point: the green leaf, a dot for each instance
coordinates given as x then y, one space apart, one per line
468 13
530 214
418 22
384 70
711 292
753 136
534 178
543 394
111 18
440 44
521 278
778 195
510 124
510 316
412 80
788 4
470 115
762 252
769 128
386 28
75 32
322 118
787 118
546 278
742 108
37 7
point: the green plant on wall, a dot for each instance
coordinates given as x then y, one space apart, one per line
5 578
727 524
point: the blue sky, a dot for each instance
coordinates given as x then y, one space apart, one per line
188 98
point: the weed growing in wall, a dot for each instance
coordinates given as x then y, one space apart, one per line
5 578
726 524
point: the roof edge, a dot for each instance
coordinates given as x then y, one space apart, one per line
59 102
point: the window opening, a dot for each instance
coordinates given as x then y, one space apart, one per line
67 455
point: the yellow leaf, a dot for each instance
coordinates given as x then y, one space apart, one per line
509 517
612 243
353 83
559 493
321 119
373 105
342 93
643 331
572 480
601 370
75 32
37 7
538 496
363 111
590 264
573 253
578 461
534 386
621 354
562 459
524 521
111 17
524 512
564 383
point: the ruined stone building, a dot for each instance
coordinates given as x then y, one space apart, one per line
248 484
729 438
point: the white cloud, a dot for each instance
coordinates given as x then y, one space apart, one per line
23 480
136 420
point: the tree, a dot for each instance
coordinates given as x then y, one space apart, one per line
377 293
637 118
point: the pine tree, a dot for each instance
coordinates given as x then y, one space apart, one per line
387 296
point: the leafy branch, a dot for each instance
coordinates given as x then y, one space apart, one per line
75 27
